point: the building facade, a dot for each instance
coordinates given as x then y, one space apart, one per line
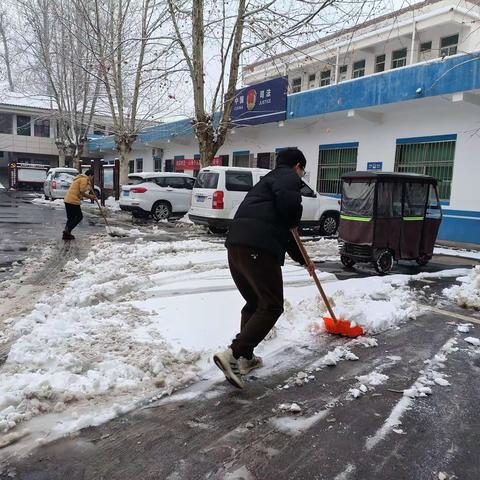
400 93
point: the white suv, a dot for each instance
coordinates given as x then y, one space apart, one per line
58 182
218 192
159 194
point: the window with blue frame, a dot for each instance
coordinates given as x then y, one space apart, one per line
432 156
333 161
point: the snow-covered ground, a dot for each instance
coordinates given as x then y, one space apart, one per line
136 321
475 254
2 187
466 295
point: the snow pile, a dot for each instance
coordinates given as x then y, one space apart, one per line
2 187
89 342
457 253
112 204
473 341
58 203
376 304
466 295
372 380
323 249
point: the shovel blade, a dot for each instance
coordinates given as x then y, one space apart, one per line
342 327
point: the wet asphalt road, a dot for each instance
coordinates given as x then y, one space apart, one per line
25 226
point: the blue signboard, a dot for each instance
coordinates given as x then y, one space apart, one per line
261 103
374 165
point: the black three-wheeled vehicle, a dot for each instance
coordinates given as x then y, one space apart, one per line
387 216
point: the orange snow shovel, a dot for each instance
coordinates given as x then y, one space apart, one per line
332 324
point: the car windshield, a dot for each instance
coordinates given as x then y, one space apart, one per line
207 180
65 177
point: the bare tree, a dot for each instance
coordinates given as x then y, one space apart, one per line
6 41
59 63
226 33
133 60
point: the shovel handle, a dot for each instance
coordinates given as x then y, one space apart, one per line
100 208
302 249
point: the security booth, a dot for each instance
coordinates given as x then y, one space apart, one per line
388 216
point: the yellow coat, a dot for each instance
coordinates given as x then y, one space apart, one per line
79 189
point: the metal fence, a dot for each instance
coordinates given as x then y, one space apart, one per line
432 158
332 164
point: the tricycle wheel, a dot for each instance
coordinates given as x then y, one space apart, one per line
384 261
347 261
422 260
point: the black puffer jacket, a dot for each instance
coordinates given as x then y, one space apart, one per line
268 212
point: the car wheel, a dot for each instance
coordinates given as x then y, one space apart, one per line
161 210
384 261
328 224
422 260
347 261
218 230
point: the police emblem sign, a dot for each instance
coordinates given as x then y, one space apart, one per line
261 103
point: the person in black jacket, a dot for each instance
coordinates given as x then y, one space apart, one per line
258 238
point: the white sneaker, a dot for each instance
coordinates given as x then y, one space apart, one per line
246 366
228 364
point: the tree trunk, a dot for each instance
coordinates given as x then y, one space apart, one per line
61 158
123 150
6 54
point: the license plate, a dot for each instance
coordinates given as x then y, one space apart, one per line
125 193
200 199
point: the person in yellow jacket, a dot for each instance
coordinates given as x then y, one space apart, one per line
79 189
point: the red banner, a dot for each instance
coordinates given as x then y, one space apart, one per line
193 164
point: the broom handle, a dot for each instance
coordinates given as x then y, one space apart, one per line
302 249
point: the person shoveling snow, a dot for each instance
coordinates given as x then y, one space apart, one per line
79 189
258 239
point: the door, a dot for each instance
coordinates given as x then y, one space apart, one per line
414 204
177 193
309 204
237 184
433 218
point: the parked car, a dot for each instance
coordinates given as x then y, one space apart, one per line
58 182
218 192
159 194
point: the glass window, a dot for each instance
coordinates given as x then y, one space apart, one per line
41 128
380 63
175 182
241 160
389 200
207 180
6 123
311 77
325 78
238 181
99 129
157 164
23 125
139 162
415 199
428 158
296 85
358 69
357 199
425 47
189 182
169 165
131 166
332 164
449 45
160 181
342 73
224 160
399 58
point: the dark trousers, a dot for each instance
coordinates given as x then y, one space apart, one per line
258 277
74 216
